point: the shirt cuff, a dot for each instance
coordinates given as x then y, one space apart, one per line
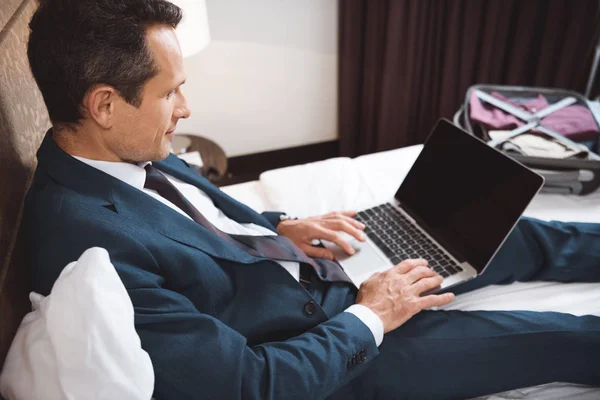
370 319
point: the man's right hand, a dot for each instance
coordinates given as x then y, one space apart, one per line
395 295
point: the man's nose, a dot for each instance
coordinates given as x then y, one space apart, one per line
183 110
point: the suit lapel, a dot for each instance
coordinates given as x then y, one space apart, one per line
144 210
141 209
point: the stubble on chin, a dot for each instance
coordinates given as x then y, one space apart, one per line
143 155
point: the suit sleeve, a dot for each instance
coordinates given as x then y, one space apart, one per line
194 355
272 217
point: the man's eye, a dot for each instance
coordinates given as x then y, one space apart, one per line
170 94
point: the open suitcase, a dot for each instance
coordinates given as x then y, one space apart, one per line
559 138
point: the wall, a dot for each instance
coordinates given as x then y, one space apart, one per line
268 79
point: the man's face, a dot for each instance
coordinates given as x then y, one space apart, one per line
144 133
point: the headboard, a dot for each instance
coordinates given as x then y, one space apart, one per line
23 122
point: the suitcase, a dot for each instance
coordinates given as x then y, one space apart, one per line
578 174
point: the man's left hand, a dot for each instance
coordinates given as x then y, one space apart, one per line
325 227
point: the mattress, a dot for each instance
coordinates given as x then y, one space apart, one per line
354 184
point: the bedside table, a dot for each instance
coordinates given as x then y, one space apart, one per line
213 156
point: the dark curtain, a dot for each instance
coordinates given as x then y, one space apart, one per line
405 63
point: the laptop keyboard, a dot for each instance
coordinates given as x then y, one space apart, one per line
399 239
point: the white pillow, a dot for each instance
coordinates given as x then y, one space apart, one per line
79 342
339 183
316 188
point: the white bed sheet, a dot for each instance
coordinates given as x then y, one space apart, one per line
344 183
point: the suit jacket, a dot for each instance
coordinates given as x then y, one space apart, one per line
217 322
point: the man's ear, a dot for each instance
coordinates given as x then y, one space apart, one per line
99 105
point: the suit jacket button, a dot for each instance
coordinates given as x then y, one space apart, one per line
310 308
362 356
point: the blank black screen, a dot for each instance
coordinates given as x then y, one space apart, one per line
466 194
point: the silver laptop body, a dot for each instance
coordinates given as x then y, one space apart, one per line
455 208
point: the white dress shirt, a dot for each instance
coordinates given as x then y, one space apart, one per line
135 175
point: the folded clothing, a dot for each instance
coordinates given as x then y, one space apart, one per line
535 145
574 122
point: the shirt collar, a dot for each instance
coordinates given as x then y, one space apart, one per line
132 174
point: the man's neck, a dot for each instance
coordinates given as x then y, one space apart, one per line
79 142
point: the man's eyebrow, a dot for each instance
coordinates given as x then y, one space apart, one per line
176 86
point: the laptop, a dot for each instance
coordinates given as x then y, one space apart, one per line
455 208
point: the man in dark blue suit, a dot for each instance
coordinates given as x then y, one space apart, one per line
225 307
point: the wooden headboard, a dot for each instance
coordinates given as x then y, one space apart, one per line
23 122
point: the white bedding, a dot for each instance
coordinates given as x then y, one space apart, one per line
344 183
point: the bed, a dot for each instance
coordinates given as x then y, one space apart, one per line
363 182
339 183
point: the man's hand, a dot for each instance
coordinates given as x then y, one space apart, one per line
395 295
325 227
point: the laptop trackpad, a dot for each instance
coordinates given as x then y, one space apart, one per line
360 266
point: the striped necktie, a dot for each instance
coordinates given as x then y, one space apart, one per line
274 247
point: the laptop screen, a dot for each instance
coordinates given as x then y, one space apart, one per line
467 195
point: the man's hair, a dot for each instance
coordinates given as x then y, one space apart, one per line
75 45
